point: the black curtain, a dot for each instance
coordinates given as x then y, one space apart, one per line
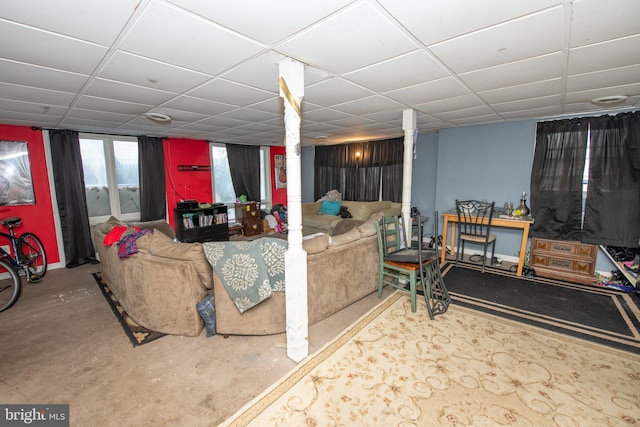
153 198
612 210
556 179
359 178
68 178
244 166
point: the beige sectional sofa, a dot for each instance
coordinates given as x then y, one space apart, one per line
333 283
314 222
159 286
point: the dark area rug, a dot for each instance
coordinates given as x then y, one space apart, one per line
593 313
137 334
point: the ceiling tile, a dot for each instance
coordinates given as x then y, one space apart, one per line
333 92
124 92
450 104
181 38
198 105
262 72
448 87
369 105
515 73
602 56
110 105
589 16
439 20
45 49
407 70
227 92
278 13
588 95
344 42
40 77
100 22
40 96
79 113
133 69
605 78
528 104
503 43
247 114
525 91
35 108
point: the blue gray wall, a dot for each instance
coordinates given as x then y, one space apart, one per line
490 162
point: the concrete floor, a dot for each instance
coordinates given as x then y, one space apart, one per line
61 343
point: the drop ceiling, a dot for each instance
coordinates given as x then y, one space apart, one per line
214 66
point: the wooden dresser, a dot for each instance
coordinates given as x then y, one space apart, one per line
564 260
248 214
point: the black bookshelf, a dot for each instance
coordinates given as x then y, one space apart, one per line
202 224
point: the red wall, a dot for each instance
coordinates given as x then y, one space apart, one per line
37 218
278 195
180 185
191 184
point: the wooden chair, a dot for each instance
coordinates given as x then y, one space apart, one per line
401 268
474 225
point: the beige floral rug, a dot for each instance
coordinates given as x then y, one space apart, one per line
465 368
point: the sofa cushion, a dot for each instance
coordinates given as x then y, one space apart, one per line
345 225
144 242
367 228
330 207
344 238
320 222
364 210
163 246
159 225
315 244
108 225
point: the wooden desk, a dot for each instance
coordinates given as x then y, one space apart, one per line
524 224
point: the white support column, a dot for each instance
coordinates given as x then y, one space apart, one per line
408 126
292 90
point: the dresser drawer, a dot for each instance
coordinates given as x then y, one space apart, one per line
247 210
252 226
563 264
564 260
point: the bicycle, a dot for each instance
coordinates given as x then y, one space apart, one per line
28 256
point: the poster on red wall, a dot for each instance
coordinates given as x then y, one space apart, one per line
16 186
280 170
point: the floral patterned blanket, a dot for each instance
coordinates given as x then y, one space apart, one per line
249 270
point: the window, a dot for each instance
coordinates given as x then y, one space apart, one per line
223 186
110 165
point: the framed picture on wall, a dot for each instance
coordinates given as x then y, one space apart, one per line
16 186
280 170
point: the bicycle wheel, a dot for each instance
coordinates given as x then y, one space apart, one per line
32 254
9 285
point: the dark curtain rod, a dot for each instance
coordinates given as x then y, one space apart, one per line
95 133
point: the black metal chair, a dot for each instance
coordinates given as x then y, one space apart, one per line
437 297
474 226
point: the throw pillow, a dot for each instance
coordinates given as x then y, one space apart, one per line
368 228
163 246
345 225
330 208
316 244
207 310
344 238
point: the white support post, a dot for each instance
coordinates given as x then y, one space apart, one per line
408 126
292 90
